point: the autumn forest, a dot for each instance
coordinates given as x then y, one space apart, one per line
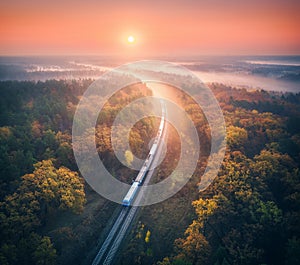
249 215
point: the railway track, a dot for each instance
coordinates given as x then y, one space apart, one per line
112 243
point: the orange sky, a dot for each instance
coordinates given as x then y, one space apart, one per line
171 28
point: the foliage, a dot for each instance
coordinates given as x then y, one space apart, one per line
39 196
128 157
250 213
45 254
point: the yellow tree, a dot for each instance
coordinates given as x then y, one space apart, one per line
128 157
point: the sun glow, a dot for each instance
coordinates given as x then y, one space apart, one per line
131 39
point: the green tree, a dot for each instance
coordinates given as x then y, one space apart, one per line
293 251
45 253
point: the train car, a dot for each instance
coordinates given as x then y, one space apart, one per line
153 150
130 194
140 177
162 124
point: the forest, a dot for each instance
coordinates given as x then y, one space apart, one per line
250 214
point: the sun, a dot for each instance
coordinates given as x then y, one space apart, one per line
131 39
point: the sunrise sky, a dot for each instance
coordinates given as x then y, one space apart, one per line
175 27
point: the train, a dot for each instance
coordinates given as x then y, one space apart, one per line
131 194
129 197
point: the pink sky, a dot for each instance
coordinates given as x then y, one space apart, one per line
160 27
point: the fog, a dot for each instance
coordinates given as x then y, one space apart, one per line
272 73
249 82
